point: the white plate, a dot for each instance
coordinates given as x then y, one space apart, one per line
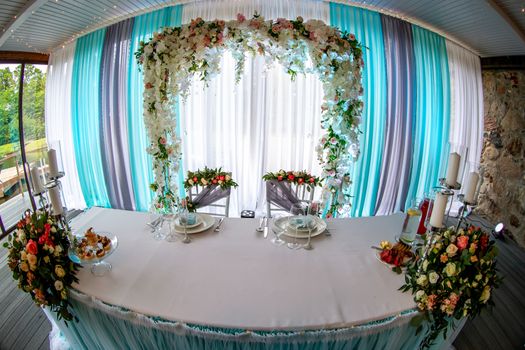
207 221
293 226
282 224
198 221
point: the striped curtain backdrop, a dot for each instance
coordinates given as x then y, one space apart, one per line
420 93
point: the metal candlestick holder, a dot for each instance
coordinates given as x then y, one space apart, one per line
443 184
466 204
42 199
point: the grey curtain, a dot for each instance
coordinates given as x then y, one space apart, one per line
114 116
397 153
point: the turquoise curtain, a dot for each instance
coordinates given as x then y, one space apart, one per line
86 114
432 117
367 27
141 165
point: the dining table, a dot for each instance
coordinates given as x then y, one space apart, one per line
233 289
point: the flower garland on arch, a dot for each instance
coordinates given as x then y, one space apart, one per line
172 57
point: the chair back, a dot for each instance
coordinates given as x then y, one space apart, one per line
223 204
304 192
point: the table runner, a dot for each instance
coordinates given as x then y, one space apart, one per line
237 279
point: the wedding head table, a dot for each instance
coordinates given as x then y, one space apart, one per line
234 289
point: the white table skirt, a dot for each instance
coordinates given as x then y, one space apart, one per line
237 279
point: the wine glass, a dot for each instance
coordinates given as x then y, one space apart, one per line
172 235
298 211
277 231
183 219
158 234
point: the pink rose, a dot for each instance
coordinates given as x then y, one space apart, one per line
311 36
279 178
462 242
162 141
333 141
31 247
148 85
351 37
240 18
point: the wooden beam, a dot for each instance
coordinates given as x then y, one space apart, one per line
503 62
503 14
23 57
20 18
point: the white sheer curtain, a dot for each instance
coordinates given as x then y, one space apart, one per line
58 120
265 122
466 112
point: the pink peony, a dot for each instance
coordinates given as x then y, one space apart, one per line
240 18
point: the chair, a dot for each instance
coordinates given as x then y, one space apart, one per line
224 203
301 192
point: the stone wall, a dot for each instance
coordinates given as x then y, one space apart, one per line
502 194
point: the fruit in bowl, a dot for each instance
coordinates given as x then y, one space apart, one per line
398 254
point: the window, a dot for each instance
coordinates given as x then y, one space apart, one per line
14 196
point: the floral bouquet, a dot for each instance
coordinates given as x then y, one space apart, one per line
206 177
295 177
38 258
453 279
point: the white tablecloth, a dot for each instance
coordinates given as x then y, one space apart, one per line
238 279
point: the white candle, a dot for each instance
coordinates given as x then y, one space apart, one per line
470 194
53 164
56 202
438 210
453 169
35 180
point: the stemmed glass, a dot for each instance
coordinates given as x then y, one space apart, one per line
156 229
183 219
313 211
171 236
298 212
277 231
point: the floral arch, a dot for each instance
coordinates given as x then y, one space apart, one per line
171 59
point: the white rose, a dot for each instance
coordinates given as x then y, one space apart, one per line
228 177
58 249
190 181
450 269
420 294
422 280
425 265
46 259
452 249
485 295
433 277
59 285
59 271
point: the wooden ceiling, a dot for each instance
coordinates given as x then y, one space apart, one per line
489 28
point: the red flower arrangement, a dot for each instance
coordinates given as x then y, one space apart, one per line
296 177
